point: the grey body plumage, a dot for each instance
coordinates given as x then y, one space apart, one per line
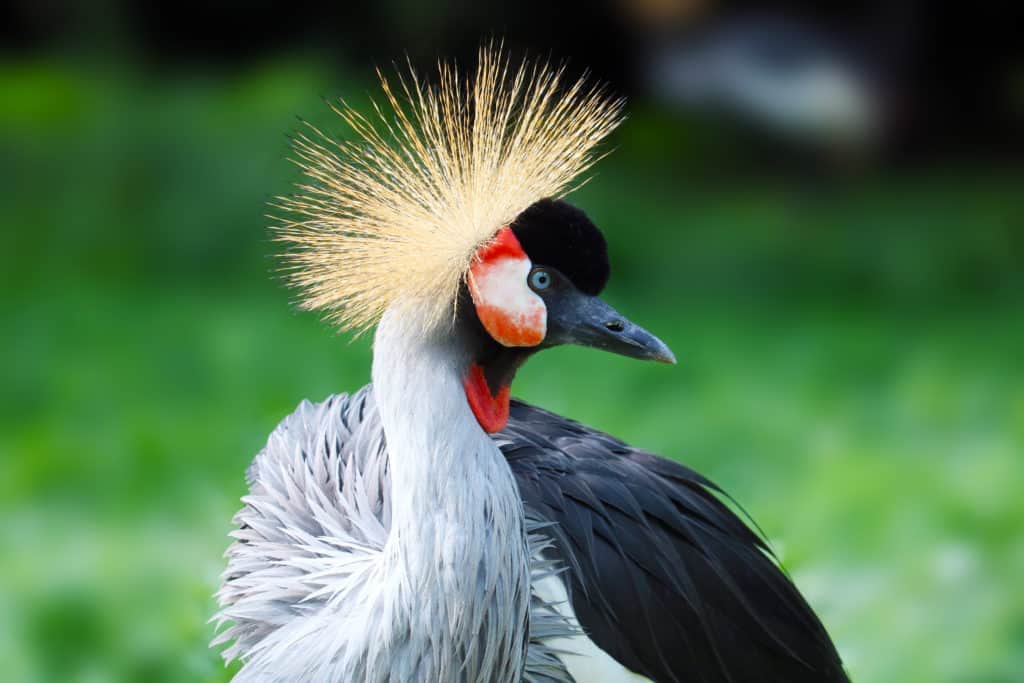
318 508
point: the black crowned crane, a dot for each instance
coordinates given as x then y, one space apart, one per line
429 528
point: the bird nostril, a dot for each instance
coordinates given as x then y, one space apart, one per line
615 325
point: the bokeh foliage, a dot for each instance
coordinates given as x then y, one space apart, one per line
850 367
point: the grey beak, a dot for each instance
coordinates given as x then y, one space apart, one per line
589 321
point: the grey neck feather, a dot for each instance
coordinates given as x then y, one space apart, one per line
456 564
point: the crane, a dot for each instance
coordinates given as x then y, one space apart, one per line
428 527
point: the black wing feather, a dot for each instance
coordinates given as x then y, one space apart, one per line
663 575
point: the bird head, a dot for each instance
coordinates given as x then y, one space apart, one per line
444 206
536 286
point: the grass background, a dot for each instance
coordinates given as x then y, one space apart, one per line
850 368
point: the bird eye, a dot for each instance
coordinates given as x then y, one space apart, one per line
540 279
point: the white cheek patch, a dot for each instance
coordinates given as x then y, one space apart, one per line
510 311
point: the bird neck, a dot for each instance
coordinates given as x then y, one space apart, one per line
457 539
440 457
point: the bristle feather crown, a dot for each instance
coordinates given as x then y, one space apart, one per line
397 213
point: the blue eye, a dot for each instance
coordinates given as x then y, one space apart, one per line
540 279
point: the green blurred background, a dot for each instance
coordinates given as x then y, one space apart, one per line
850 344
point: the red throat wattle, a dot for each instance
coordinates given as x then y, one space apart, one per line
491 411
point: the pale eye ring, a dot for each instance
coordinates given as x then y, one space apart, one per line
540 279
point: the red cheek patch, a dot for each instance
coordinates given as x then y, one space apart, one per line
508 309
491 411
504 244
510 329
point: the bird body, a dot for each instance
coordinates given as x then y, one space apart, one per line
321 496
428 528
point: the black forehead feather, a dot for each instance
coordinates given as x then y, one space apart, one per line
556 234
